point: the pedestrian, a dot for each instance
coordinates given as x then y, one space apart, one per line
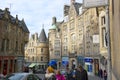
74 74
105 75
50 75
59 76
81 74
68 74
100 73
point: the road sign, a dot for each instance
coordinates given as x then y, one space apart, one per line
94 3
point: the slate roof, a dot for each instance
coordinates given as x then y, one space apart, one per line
77 6
24 26
1 13
13 20
42 37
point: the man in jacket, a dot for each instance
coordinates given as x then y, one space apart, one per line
81 74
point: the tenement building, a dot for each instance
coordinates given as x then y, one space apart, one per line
14 34
36 51
115 41
75 41
55 48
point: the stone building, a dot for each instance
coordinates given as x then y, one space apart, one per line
37 51
14 34
76 35
115 41
55 42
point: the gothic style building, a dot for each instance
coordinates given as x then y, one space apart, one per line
14 34
36 51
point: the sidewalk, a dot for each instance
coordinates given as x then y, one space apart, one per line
93 77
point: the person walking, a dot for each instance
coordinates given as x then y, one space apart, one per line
105 75
100 73
81 74
59 76
50 75
68 74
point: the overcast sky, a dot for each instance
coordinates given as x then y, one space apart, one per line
36 12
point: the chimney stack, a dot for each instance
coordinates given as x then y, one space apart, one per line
53 20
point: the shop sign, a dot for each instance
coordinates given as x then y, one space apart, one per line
65 61
88 60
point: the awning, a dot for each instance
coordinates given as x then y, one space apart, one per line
32 65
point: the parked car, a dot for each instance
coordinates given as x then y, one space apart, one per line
1 76
22 76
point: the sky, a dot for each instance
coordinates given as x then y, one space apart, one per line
36 13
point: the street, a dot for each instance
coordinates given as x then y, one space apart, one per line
89 77
94 78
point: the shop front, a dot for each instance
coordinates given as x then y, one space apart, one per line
89 65
7 64
65 62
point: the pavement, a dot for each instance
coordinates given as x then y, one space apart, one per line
93 77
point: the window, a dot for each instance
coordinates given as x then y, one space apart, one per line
16 48
41 58
3 45
80 10
57 53
103 37
7 45
73 38
57 43
33 58
103 20
41 49
22 48
72 26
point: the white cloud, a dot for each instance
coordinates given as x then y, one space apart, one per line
36 12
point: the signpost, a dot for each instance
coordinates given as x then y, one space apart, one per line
100 3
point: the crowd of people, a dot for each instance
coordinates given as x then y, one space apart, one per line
75 74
